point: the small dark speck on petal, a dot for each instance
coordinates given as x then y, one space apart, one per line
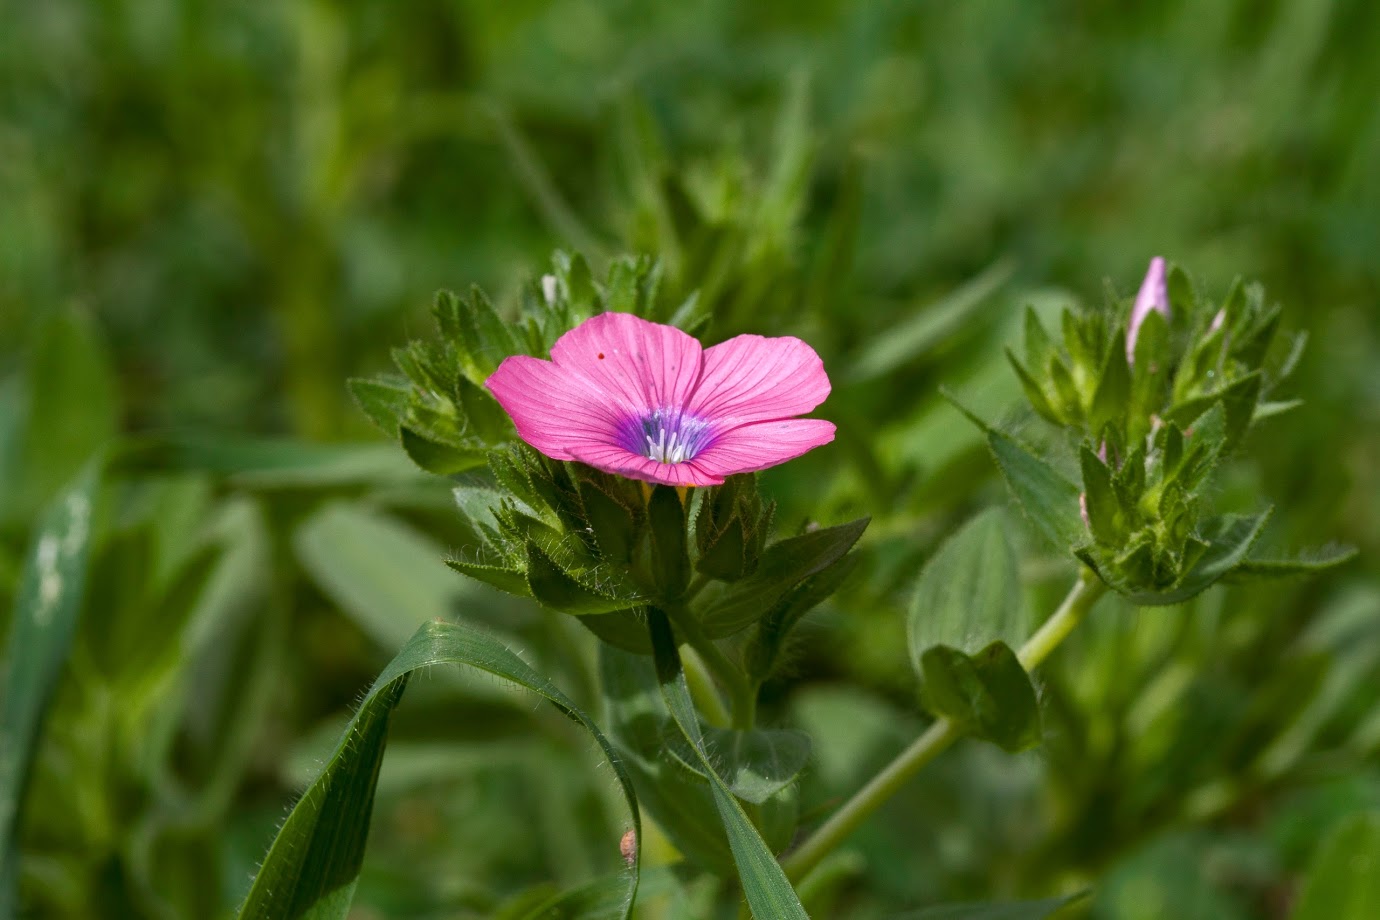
601 356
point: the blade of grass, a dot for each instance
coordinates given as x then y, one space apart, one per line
45 617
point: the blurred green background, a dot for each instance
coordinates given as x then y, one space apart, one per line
213 213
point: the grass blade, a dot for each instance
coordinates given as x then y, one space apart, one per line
45 617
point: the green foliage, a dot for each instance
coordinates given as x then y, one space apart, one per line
49 602
967 616
1343 882
211 215
765 886
314 864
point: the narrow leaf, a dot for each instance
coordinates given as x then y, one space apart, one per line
765 886
45 617
315 861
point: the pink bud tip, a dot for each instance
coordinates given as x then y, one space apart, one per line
1152 298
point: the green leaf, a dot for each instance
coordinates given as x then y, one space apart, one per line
1308 563
314 863
1344 880
557 588
1049 500
765 886
1228 539
1034 394
45 618
930 326
763 652
679 801
383 400
969 592
1105 519
387 577
73 407
437 457
261 463
1005 910
989 694
784 565
756 764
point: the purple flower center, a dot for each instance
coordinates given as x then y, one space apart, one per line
666 435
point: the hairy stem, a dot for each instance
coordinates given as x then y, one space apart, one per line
935 739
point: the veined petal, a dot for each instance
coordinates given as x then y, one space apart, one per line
620 461
750 378
640 364
554 410
762 444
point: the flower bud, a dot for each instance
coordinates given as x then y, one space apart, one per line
1153 297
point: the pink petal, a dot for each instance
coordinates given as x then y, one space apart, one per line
622 462
1153 297
643 365
763 444
754 379
554 410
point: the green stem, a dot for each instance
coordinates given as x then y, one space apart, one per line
703 691
742 695
936 738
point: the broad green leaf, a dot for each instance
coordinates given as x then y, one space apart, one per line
1005 910
1344 881
314 863
386 576
1049 500
784 565
988 693
969 592
45 617
765 886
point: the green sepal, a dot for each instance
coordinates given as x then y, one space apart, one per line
1105 516
1036 396
511 581
784 565
666 528
557 588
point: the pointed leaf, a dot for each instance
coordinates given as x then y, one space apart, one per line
765 886
314 862
784 565
45 616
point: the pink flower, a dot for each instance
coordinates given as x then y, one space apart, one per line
1153 297
646 401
